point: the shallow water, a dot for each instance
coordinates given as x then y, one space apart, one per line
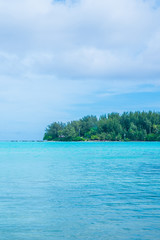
79 191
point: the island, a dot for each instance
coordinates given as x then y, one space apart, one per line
129 126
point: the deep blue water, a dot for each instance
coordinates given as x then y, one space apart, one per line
79 191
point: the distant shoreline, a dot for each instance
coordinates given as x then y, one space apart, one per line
90 141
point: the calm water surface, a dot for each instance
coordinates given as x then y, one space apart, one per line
79 191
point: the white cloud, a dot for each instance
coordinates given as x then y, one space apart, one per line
86 39
56 54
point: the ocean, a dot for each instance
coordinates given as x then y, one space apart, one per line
80 191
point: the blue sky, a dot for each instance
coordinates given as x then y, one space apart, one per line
61 60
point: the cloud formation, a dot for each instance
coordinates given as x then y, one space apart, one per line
54 54
84 39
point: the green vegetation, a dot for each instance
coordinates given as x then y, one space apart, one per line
137 126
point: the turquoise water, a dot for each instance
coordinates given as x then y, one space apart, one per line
79 191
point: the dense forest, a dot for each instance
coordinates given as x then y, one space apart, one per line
129 126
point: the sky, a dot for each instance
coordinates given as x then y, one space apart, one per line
62 60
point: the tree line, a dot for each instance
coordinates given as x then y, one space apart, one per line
129 126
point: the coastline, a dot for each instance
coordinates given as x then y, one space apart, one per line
90 141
